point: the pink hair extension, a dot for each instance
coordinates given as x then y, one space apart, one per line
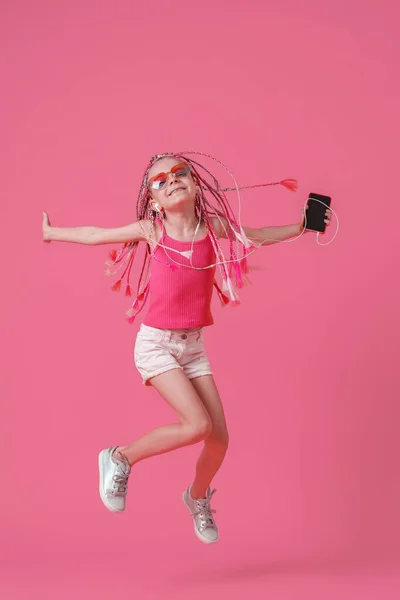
216 205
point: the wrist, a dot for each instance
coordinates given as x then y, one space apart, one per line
301 228
47 234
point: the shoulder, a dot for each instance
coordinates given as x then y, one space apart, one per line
145 227
220 226
151 231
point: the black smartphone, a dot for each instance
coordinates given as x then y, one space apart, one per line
315 213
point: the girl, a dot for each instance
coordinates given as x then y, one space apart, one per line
182 213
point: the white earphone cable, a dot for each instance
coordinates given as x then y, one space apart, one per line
238 236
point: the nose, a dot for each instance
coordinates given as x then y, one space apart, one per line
172 177
172 180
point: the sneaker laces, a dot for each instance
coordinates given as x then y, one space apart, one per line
121 476
205 511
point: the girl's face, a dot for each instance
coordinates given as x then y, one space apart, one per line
170 189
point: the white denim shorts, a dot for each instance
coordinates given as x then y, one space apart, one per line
160 350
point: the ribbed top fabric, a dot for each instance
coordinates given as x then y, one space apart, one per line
180 297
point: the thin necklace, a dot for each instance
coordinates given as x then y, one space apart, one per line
186 253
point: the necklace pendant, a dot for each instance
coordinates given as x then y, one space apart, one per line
187 253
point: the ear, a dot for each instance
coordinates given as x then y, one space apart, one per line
155 206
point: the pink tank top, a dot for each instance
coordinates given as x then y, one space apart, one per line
180 297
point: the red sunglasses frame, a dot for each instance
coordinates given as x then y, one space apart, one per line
175 169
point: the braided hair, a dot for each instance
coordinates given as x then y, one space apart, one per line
210 203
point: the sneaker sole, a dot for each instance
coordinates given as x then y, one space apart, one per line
103 497
200 537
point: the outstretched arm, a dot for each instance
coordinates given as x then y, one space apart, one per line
267 235
94 236
272 235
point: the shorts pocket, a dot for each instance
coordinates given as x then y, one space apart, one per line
147 351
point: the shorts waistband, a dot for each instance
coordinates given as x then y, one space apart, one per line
175 334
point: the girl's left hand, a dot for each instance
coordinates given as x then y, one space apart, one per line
327 221
46 225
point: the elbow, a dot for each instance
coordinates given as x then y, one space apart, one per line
92 237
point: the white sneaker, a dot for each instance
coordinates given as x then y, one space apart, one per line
114 473
204 524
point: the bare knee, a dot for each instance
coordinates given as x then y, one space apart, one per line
198 431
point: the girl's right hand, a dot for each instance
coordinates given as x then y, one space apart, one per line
46 225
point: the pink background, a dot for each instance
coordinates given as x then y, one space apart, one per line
308 497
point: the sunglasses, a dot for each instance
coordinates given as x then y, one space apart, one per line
159 181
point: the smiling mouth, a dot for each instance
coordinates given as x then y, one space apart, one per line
181 189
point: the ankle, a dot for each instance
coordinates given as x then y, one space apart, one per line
197 493
121 451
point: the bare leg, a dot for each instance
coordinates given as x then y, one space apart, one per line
216 444
194 426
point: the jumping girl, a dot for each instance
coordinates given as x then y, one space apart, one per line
182 214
